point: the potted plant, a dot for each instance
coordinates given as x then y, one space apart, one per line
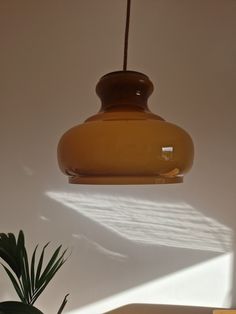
29 277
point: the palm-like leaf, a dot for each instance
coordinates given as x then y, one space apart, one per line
28 279
10 252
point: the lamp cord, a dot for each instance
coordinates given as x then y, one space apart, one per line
126 35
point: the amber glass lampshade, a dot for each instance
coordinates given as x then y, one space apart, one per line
124 143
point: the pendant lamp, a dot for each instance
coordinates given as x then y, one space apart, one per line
125 143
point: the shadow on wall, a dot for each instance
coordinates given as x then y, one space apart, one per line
123 246
151 223
121 243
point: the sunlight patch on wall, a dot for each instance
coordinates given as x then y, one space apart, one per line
147 222
205 284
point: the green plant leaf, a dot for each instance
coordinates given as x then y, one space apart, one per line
8 259
40 264
20 243
25 278
15 284
63 304
32 269
49 266
8 252
28 279
12 243
47 279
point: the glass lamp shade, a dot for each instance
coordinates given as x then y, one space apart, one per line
124 143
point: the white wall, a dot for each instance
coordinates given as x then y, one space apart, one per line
161 244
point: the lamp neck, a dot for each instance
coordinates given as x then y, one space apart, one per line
124 89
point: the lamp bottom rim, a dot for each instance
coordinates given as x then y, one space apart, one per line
124 180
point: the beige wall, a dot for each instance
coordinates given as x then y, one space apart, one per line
158 244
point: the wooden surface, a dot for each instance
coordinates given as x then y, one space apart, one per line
224 312
161 309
